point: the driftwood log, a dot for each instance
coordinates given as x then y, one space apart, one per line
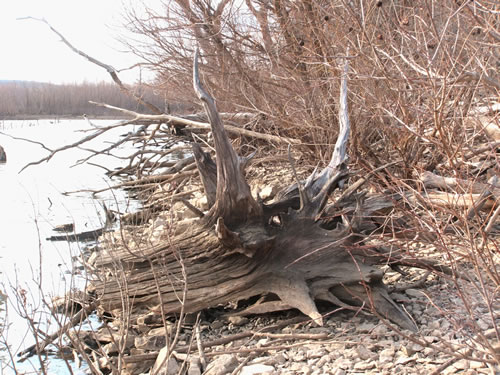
291 251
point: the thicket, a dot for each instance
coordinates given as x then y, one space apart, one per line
417 68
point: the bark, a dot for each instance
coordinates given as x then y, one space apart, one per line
242 247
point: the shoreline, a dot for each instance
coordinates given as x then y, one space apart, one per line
64 117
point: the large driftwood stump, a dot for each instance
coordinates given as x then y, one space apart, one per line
289 250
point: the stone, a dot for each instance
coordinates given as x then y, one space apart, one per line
200 202
296 366
161 331
110 349
256 369
316 352
410 349
238 320
306 370
165 365
222 365
403 360
150 342
414 293
379 330
194 366
217 324
104 336
343 363
386 355
462 364
363 353
363 366
279 359
366 327
268 192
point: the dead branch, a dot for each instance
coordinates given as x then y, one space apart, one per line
112 71
432 180
178 121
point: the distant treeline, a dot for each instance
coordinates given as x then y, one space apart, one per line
23 98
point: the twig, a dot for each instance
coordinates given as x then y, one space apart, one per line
439 370
199 125
492 221
199 344
417 284
242 364
78 318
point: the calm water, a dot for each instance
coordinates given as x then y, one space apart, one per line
31 204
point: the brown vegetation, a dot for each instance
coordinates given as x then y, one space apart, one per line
19 99
423 77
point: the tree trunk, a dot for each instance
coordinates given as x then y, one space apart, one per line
242 247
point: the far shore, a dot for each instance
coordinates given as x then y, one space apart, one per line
59 117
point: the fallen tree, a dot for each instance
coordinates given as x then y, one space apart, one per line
295 250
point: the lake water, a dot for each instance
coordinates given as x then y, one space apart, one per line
31 204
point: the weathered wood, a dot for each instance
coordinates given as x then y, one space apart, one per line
234 201
91 235
432 180
236 251
179 121
208 173
456 201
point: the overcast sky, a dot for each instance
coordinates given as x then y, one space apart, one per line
30 51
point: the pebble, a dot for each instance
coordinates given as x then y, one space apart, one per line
386 355
364 353
217 324
403 360
279 359
362 366
316 353
222 365
414 293
238 320
164 365
379 330
256 369
366 327
343 363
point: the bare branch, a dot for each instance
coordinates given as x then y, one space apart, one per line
112 71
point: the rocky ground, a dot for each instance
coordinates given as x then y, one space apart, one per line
351 343
449 341
454 336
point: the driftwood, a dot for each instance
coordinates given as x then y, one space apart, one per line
181 121
242 247
432 180
458 201
91 235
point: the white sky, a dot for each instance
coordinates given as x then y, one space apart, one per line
29 50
